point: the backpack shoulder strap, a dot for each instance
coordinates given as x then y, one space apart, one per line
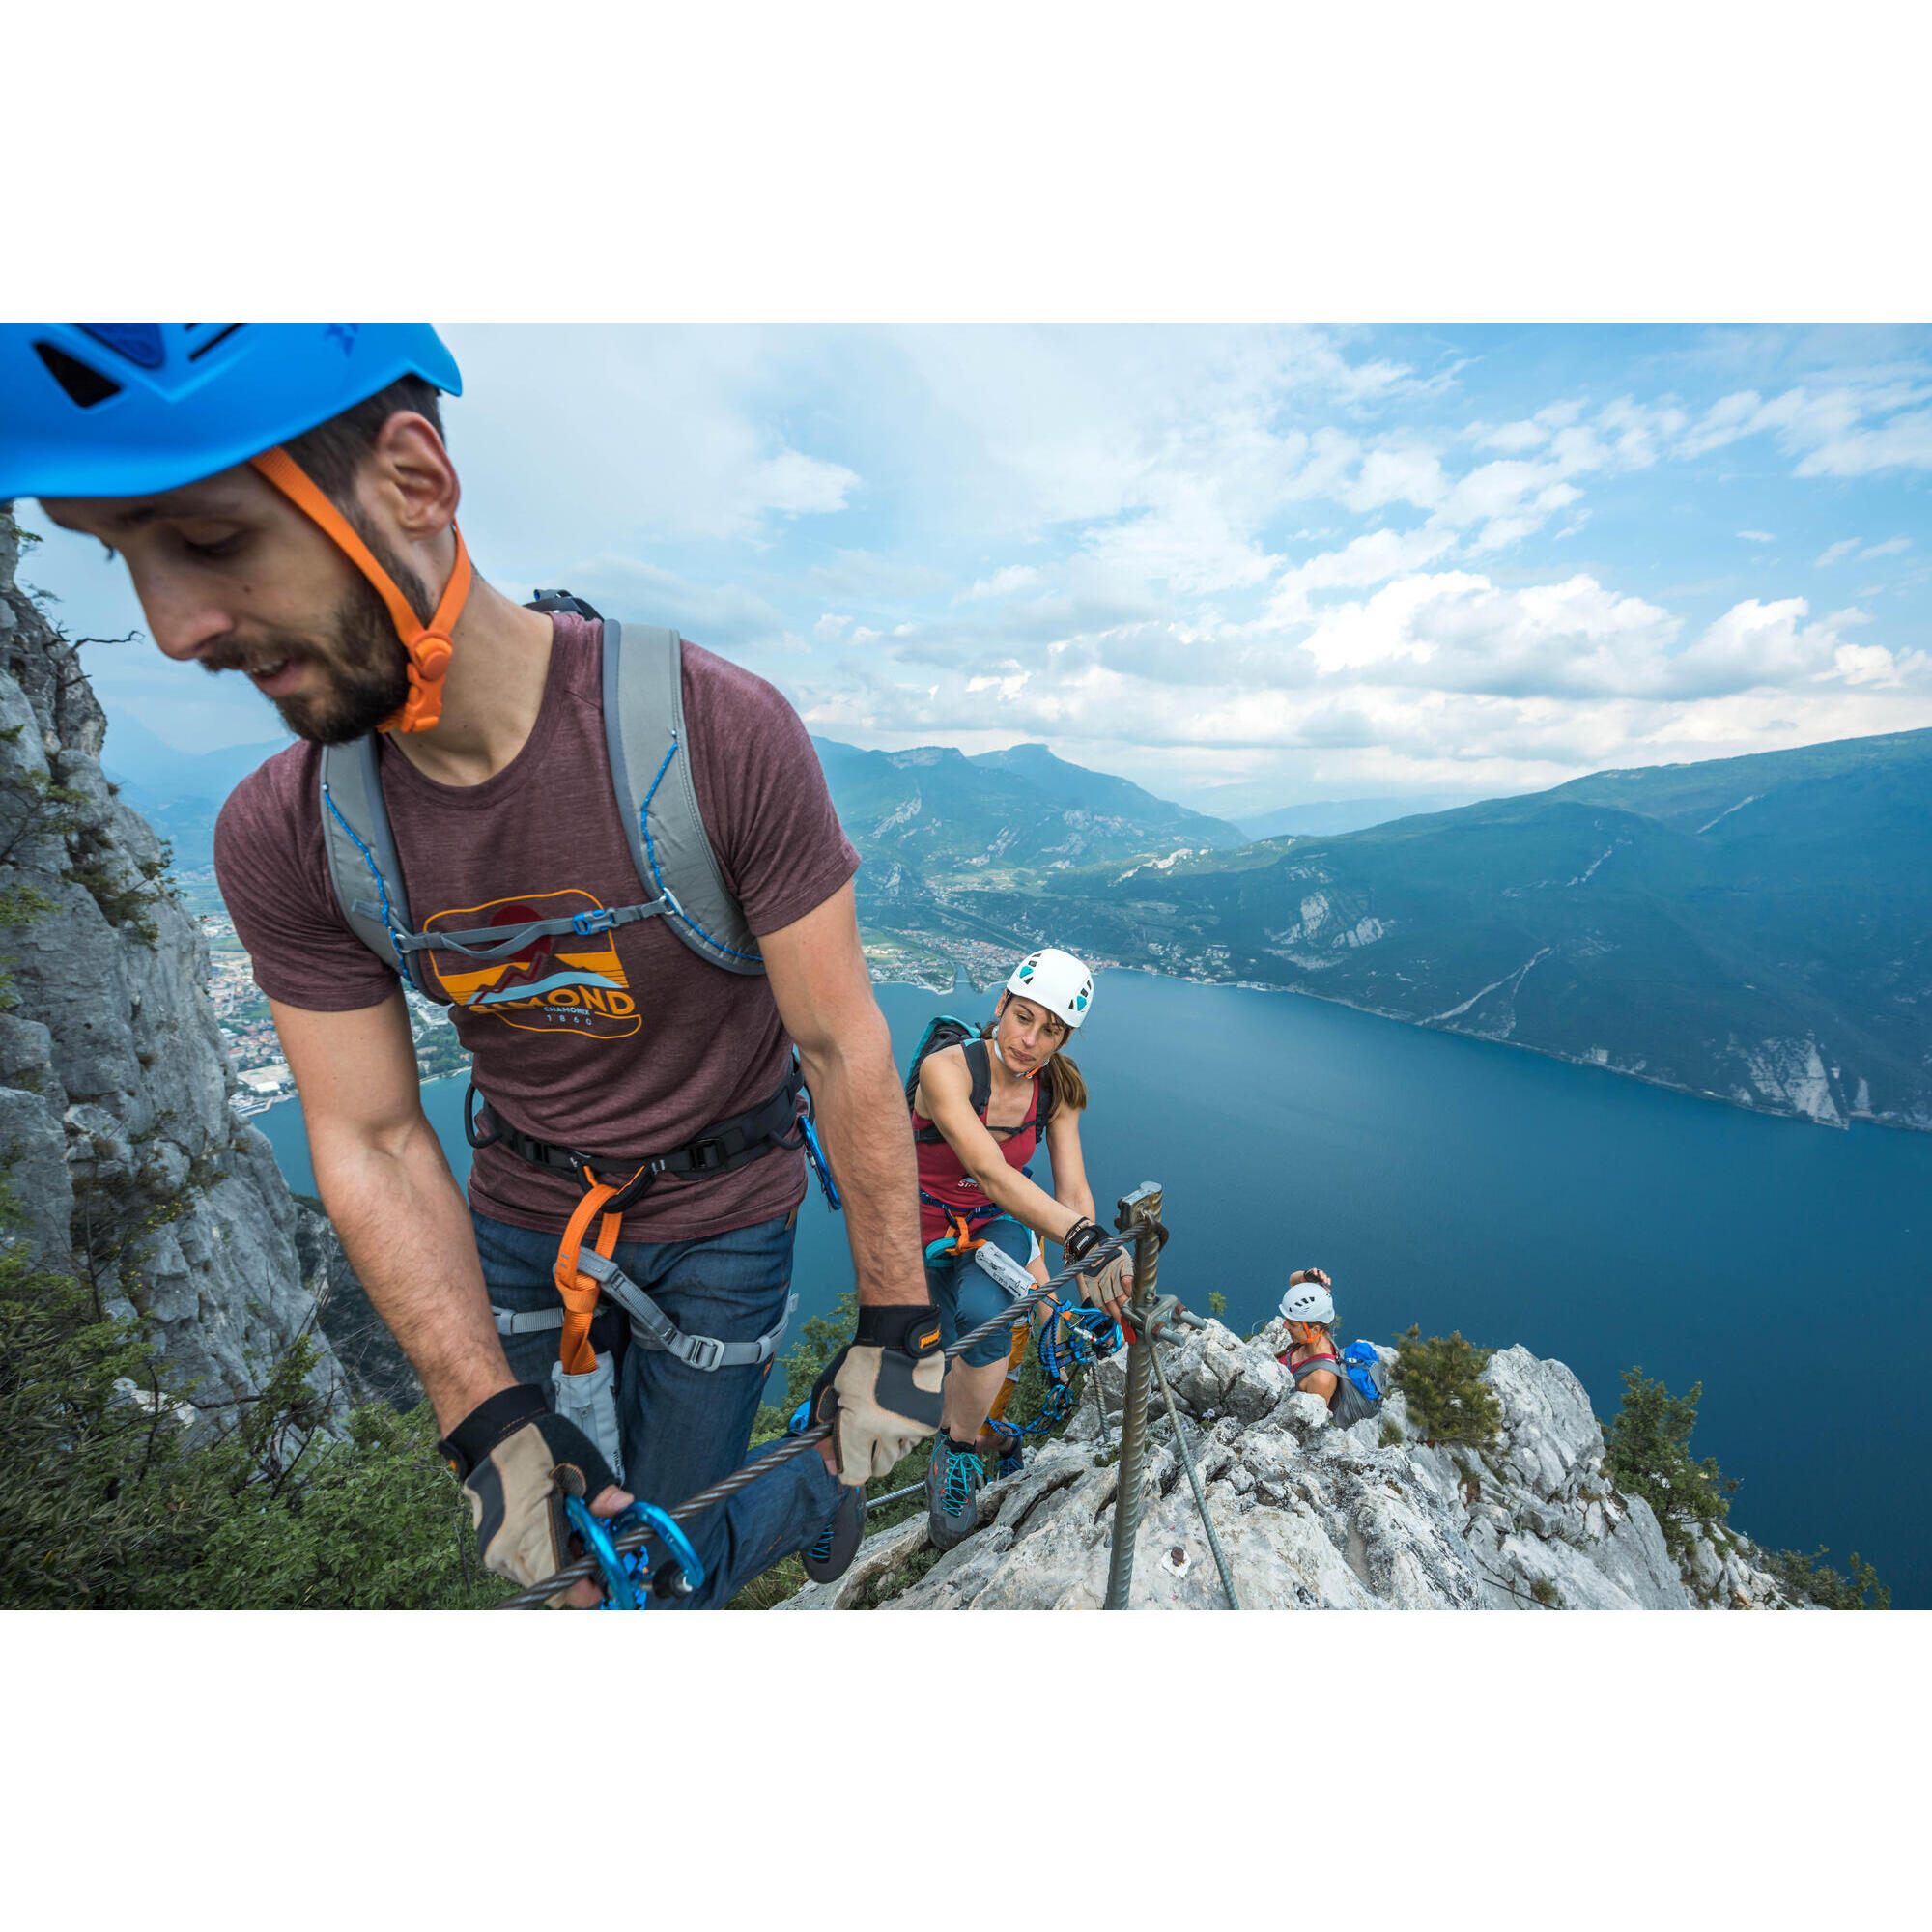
650 770
1330 1362
361 852
979 1064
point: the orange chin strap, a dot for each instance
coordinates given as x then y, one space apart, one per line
428 644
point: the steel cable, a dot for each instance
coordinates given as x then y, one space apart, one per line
748 1473
1193 1476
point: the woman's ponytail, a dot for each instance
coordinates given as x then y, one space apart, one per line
1070 1091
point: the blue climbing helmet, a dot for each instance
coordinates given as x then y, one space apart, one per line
129 409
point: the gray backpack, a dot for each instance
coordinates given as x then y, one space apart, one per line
1361 1381
643 732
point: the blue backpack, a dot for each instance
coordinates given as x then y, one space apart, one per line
1361 1381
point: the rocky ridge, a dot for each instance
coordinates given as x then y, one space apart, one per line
126 1163
1316 1517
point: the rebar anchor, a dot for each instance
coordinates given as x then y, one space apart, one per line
1139 1214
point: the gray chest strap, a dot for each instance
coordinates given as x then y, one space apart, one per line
650 1326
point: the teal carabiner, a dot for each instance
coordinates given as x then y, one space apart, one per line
623 1568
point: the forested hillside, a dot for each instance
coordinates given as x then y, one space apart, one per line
1758 929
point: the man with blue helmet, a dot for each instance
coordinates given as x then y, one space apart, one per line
286 506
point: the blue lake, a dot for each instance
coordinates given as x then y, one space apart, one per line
1464 1185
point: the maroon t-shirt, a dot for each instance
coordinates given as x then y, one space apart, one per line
628 1043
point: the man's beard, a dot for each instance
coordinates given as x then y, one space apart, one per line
363 663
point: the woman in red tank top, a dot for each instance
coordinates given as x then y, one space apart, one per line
980 1109
1307 1312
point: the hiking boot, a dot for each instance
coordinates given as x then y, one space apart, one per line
954 1480
831 1556
1011 1452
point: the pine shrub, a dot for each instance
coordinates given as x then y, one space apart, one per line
1649 1445
1439 1377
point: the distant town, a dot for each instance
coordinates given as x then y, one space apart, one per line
242 1011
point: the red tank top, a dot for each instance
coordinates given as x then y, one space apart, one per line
943 1176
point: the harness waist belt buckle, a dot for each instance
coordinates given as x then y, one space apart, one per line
584 923
705 1353
708 1155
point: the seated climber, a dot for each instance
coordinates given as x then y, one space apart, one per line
982 1104
1309 1310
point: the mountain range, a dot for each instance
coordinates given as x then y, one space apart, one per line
1758 929
932 822
1321 816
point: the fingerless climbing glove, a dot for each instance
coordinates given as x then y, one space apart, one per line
881 1392
518 1462
1105 1281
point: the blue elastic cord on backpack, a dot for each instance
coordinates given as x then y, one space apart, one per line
1355 1359
625 1569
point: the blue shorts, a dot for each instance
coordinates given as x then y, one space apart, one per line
965 1295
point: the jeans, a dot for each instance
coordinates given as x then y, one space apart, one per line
965 1295
683 1428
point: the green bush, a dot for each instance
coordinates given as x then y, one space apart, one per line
108 1507
1649 1446
1439 1378
1813 1577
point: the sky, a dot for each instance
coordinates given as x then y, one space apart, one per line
1246 567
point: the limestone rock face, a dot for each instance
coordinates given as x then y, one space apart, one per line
1314 1517
126 1166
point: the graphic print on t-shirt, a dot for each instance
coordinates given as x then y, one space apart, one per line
557 983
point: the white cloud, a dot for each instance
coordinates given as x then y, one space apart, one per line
798 485
1892 547
662 433
1865 664
1903 444
1189 541
1833 430
1367 561
1837 552
1514 437
1757 536
1397 473
1460 631
1006 583
1754 644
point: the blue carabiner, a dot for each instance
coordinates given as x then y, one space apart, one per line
622 1568
620 1591
820 1166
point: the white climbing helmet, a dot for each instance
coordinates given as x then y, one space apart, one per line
1309 1301
1057 981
